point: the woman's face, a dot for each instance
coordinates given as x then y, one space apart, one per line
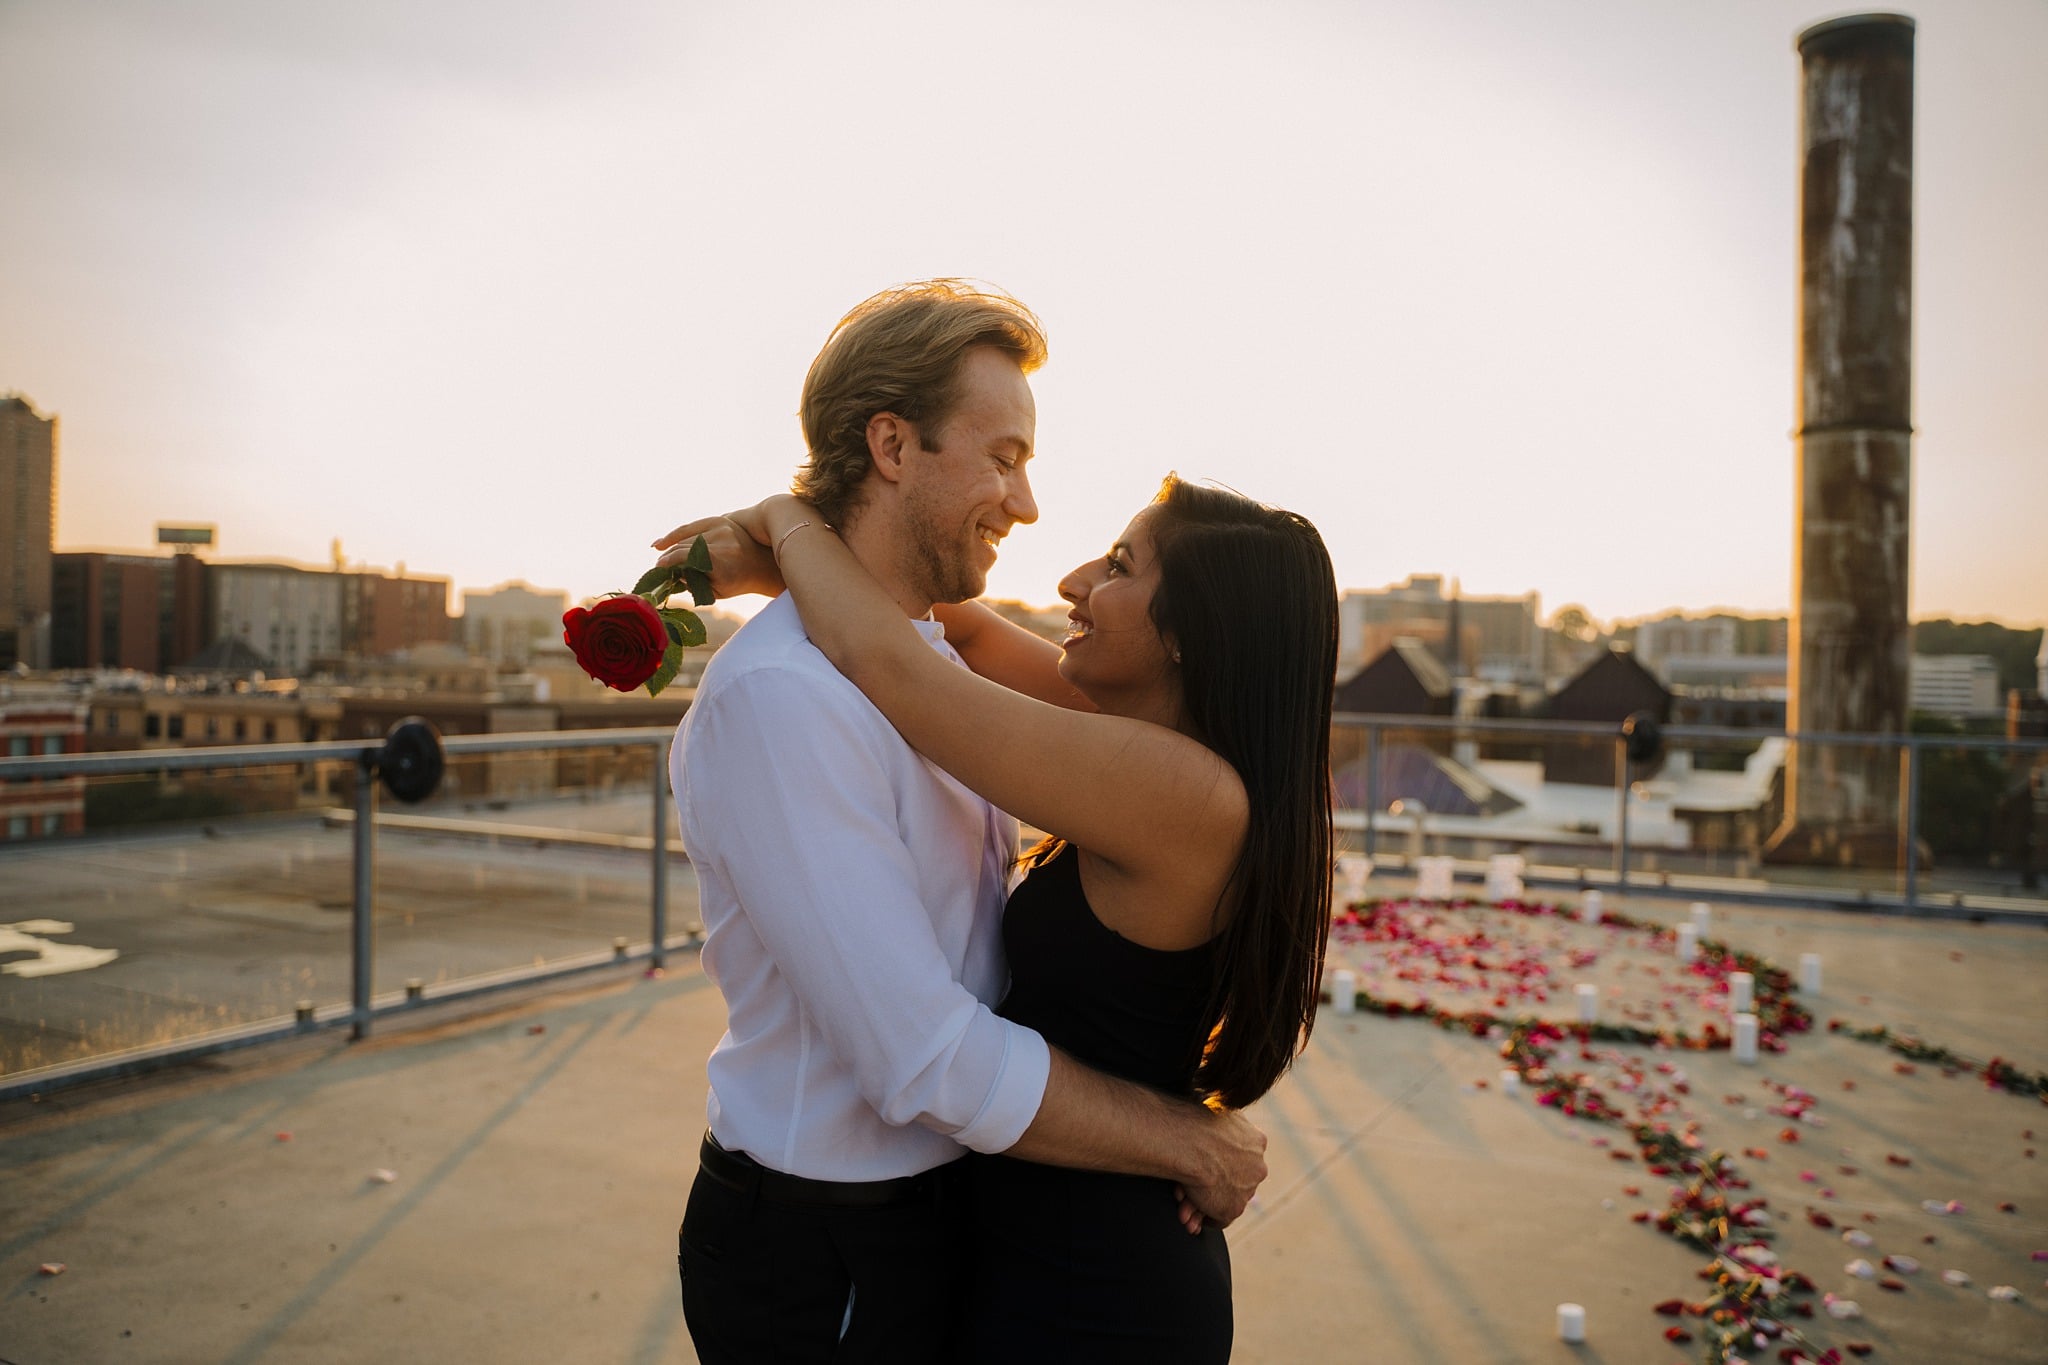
1113 654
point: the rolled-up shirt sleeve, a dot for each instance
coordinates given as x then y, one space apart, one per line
809 838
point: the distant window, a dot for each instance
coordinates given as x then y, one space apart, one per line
53 744
113 721
51 823
17 827
241 728
153 726
213 727
176 728
17 747
269 730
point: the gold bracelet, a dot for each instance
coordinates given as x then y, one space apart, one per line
785 539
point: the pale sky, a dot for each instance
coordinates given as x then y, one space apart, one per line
1499 289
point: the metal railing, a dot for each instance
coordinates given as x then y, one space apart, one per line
365 1003
1605 853
1610 856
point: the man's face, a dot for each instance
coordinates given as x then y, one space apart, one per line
965 484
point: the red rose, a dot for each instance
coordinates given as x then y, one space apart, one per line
619 641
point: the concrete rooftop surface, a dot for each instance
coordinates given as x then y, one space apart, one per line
500 1181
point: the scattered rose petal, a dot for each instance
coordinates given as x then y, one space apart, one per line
51 1268
1808 1176
284 1137
1895 1159
2037 1255
1905 1265
1819 1219
1958 1278
1893 1283
2008 1207
1861 1269
380 1176
1677 1334
536 1028
1858 1348
1843 1309
1670 1308
2004 1293
1857 1237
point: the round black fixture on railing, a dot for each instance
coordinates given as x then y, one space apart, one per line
1643 736
410 762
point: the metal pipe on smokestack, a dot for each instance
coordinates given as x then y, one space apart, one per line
1851 642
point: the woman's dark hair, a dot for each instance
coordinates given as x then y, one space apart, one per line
1247 595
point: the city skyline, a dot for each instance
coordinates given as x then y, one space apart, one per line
1500 292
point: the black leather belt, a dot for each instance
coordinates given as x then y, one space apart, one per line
738 1171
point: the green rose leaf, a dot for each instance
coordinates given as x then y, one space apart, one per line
684 627
671 664
661 576
697 573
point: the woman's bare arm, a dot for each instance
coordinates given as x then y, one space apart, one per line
1137 795
1002 651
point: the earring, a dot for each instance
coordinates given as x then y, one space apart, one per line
1176 656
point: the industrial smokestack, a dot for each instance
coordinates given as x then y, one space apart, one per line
1851 642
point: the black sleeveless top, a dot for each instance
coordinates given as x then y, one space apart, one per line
1122 1008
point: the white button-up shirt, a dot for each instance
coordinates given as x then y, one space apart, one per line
852 897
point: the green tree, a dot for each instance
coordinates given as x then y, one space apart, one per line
2014 650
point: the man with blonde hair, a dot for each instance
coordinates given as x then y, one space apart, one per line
852 894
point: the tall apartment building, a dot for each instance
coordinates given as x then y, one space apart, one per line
293 616
383 614
1487 637
145 612
505 623
287 614
28 518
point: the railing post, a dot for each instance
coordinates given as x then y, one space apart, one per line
1912 799
660 841
1372 782
365 896
1621 813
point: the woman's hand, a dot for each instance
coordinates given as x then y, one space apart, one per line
742 560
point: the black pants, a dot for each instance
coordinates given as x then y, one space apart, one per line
767 1282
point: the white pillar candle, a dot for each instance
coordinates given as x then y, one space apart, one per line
1688 943
1510 1082
1741 991
1571 1322
1809 973
1745 1038
1344 992
1589 1001
1702 917
1589 908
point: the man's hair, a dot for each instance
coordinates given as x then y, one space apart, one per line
899 352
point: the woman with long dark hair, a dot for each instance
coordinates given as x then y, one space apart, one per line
1171 929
